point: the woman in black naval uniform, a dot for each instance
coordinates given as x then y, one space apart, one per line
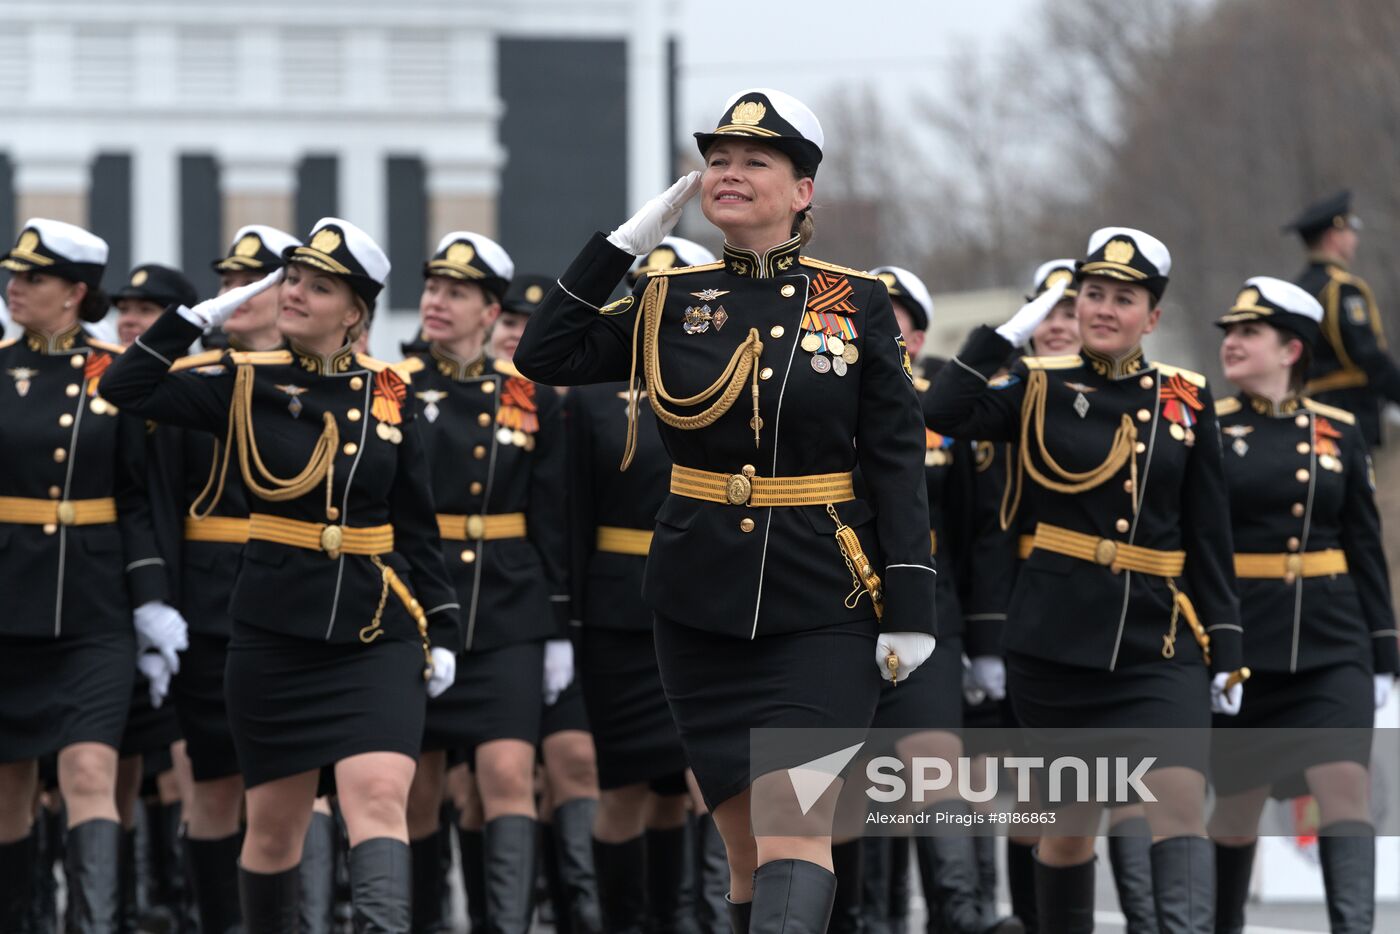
77 556
1123 615
1315 597
494 447
329 650
773 375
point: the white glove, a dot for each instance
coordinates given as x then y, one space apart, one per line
989 674
160 626
972 692
444 670
1384 683
644 231
212 312
1222 701
157 671
1024 322
558 668
912 649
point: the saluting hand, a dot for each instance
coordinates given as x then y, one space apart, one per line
911 648
161 628
558 668
645 230
1223 701
213 312
1024 322
444 670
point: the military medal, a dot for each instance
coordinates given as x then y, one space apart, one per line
850 354
98 405
838 364
503 435
836 345
1178 432
294 406
821 363
432 397
517 438
827 324
518 416
811 342
386 405
1324 442
23 376
1180 403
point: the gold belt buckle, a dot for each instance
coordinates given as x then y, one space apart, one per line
738 487
1292 567
332 537
476 527
1105 551
67 513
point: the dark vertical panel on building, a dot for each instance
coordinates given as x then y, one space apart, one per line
109 213
201 221
9 224
565 136
318 192
408 229
673 71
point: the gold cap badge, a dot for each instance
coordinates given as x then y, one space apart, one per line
461 253
1060 275
533 294
326 241
27 242
748 113
139 277
1119 251
1249 298
248 246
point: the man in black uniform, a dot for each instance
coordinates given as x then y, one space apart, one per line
1351 367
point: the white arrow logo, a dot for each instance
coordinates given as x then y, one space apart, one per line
810 780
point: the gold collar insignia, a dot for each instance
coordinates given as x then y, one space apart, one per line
1285 406
46 344
325 365
454 367
1109 368
751 265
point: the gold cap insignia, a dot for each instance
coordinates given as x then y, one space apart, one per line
533 294
461 253
1249 298
139 277
748 113
891 283
326 241
27 242
1119 251
1058 276
248 246
663 257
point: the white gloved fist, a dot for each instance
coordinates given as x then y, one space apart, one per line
1223 701
644 231
157 672
1384 684
161 628
989 674
444 670
912 649
972 692
1024 322
558 668
213 312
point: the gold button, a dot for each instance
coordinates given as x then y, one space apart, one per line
476 488
1141 447
72 390
1303 447
745 525
356 383
65 420
488 386
1302 475
67 513
1143 415
787 291
50 528
353 415
332 513
748 470
468 556
1145 382
350 447
1122 525
776 331
76 361
55 492
484 419
1301 421
1128 486
479 452
1294 543
59 455
1298 510
766 373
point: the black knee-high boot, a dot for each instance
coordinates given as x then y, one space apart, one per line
791 896
1064 898
739 914
1233 865
90 866
898 911
846 860
710 877
509 848
427 884
573 855
1183 885
214 878
948 870
129 881
1020 880
1348 853
318 875
17 871
622 884
986 850
43 898
665 851
447 819
269 901
1129 853
875 883
471 844
381 886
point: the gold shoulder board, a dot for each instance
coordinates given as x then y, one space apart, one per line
921 384
832 267
682 270
506 368
1227 406
373 364
1329 411
1191 376
407 368
207 358
262 357
103 345
1064 361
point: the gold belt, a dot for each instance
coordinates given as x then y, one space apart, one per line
334 540
481 528
1288 567
27 511
224 529
621 541
745 489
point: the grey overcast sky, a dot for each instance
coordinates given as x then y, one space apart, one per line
810 47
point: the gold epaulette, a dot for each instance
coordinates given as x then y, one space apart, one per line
407 368
921 384
104 345
1330 411
832 267
4 344
1064 361
1228 406
1191 376
682 270
261 357
193 361
506 368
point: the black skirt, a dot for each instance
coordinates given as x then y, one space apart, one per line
296 705
633 729
1295 721
931 698
497 695
720 687
149 730
568 712
198 695
57 692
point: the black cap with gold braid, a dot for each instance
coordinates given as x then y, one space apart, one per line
1279 304
1127 255
256 247
472 257
58 249
339 247
772 117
